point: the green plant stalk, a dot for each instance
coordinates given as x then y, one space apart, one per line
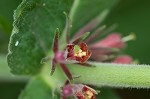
113 75
57 80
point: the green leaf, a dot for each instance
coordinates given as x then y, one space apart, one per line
113 75
6 15
84 11
37 88
34 25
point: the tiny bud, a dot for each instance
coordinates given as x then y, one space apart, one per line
130 37
111 41
123 60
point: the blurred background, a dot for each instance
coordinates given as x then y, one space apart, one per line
129 15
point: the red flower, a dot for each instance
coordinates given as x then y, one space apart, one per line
79 53
79 91
85 93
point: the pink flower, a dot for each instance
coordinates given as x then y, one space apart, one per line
123 60
107 49
111 41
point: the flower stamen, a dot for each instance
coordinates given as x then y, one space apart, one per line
80 53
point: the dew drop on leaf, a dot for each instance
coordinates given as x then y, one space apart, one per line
43 4
17 42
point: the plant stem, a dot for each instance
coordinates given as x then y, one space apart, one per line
113 75
57 80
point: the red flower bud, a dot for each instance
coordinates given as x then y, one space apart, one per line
79 91
111 41
123 60
85 92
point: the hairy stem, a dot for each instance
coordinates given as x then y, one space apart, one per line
57 80
113 75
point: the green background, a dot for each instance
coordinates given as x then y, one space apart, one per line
130 16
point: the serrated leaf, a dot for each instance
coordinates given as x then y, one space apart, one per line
37 88
84 11
34 25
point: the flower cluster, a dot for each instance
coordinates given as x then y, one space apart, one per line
81 48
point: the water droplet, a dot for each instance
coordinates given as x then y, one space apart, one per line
17 42
43 4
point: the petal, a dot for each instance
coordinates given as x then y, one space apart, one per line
103 54
91 25
83 46
67 27
70 52
125 59
111 41
53 66
95 34
80 38
70 47
55 42
85 58
100 58
87 88
83 92
79 59
104 51
89 92
66 71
